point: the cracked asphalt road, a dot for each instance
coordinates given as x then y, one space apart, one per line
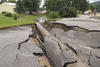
76 44
10 55
14 35
84 40
83 21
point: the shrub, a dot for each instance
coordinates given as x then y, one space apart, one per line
8 14
15 17
68 12
4 12
53 14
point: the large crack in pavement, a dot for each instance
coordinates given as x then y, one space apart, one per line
59 54
21 53
27 54
52 45
84 42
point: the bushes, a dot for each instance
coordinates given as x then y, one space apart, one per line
68 12
53 14
63 12
8 14
4 12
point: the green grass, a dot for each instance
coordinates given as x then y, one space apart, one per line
9 21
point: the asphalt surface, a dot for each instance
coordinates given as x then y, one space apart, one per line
71 48
82 21
14 35
85 44
13 54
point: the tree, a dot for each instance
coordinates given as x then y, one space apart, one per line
50 5
75 3
27 5
63 7
68 12
31 5
97 5
83 5
14 1
80 5
55 5
19 6
90 6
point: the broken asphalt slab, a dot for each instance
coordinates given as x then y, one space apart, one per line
11 56
14 52
84 40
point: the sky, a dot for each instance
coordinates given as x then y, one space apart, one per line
42 2
91 1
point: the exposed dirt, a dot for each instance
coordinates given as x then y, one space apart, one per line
78 42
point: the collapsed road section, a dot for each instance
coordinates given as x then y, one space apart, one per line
84 42
69 46
17 49
53 45
59 54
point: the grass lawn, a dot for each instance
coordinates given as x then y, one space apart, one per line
9 21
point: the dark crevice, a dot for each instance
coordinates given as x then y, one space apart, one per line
44 50
86 29
19 44
97 57
50 26
71 27
72 49
89 58
37 36
55 35
94 47
41 39
38 54
59 46
90 52
45 53
65 65
24 41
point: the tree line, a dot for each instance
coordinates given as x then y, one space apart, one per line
61 6
80 5
27 5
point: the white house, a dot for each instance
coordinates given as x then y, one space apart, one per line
8 7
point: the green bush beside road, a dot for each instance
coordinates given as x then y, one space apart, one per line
68 12
53 14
